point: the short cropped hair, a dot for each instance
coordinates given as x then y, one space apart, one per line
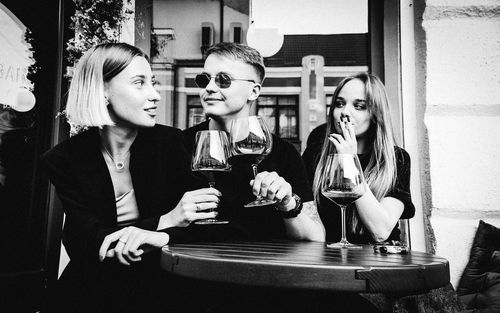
242 53
86 105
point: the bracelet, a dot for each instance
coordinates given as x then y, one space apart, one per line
293 212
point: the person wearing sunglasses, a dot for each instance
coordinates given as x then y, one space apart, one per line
230 83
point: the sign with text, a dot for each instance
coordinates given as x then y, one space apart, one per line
15 58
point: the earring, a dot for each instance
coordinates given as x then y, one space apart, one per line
106 101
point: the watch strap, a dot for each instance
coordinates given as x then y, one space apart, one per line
293 212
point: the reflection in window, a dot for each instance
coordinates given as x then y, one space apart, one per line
281 114
268 114
328 102
195 111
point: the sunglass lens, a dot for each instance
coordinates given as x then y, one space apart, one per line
202 80
223 80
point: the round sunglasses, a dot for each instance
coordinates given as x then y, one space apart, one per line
221 80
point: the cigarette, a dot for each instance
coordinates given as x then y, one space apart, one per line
345 119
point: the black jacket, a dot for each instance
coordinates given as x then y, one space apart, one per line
159 166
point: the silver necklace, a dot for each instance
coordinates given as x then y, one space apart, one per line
119 165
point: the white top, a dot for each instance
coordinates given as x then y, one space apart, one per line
126 208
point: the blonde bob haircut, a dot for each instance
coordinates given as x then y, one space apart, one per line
86 103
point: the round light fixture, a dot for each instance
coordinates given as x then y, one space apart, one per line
267 41
21 99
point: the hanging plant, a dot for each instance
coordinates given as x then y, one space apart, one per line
34 67
94 22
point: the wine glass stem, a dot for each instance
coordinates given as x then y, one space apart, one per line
211 184
342 210
254 168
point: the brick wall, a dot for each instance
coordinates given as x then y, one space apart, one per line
460 62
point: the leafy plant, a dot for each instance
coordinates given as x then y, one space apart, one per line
94 22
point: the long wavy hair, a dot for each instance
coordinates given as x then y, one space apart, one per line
380 173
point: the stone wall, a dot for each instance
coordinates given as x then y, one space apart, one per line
459 60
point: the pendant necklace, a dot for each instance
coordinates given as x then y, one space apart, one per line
119 165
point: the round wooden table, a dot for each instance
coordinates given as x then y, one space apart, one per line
307 265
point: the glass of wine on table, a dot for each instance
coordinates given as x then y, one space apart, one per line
211 154
342 183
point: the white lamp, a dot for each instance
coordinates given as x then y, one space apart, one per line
20 99
267 41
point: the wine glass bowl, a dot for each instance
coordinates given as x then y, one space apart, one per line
251 141
210 155
342 183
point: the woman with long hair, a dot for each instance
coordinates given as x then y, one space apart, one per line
359 122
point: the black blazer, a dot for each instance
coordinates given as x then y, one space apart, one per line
160 170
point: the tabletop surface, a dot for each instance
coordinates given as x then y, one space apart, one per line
308 265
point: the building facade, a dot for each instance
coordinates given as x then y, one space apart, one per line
300 77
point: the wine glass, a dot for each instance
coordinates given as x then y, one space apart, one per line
211 155
342 183
251 142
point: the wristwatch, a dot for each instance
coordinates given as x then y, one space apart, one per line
293 212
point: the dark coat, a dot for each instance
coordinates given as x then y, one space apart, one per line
160 170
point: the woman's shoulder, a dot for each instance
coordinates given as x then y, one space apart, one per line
78 147
401 154
158 131
159 128
189 133
402 159
77 142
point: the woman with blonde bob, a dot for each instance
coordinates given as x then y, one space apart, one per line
359 123
122 183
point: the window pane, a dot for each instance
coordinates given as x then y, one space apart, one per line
328 104
268 114
288 123
266 100
195 116
288 100
329 100
193 101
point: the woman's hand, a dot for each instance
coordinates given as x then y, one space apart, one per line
131 243
345 142
273 187
192 206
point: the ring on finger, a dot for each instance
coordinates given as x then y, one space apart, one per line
122 241
198 207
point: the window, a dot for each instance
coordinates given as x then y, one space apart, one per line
195 111
236 32
281 114
328 102
207 36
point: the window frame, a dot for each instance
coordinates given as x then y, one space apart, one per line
277 108
190 106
